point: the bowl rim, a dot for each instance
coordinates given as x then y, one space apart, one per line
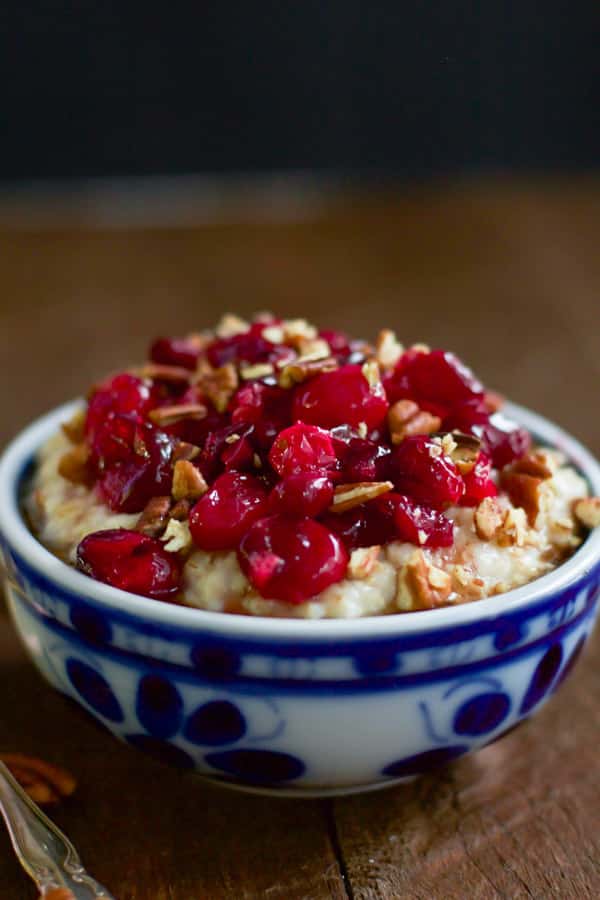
22 449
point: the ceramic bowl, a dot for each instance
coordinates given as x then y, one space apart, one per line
297 707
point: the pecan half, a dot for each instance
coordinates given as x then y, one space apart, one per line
488 517
169 415
45 783
406 418
587 511
188 481
154 516
74 429
303 368
347 496
75 466
388 349
534 464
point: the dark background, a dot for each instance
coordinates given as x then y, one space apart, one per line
407 89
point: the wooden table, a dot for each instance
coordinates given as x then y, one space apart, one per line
507 274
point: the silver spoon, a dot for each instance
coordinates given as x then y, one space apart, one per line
47 856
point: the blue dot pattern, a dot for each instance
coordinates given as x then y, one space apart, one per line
424 762
161 750
94 689
91 625
158 706
542 678
482 713
257 766
214 723
570 663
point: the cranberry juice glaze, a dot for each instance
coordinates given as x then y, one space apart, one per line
268 468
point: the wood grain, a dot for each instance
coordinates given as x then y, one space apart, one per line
508 275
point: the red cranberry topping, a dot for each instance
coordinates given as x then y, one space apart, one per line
438 381
417 523
124 393
250 347
302 448
359 459
478 482
220 518
130 561
113 439
291 559
363 526
419 468
342 397
302 494
183 352
504 440
239 455
127 485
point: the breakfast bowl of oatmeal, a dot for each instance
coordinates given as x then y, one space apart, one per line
299 563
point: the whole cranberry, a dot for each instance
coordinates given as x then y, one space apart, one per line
302 448
417 523
504 440
302 494
359 459
342 397
478 482
291 559
125 394
175 351
220 517
418 468
127 485
363 526
130 561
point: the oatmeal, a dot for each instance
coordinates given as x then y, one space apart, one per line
274 470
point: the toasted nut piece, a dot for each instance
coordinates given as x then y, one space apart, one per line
513 529
74 429
465 453
231 325
421 348
405 418
363 561
177 537
169 415
587 511
273 334
439 580
420 585
154 516
301 369
493 401
534 463
74 465
524 492
163 373
488 517
181 510
388 350
260 370
347 496
219 385
183 450
188 481
370 370
313 349
297 330
59 780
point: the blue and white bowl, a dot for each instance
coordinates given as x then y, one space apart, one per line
288 706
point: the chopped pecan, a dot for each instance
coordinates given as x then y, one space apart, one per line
347 496
75 466
180 510
273 334
587 511
44 782
260 370
159 372
177 537
465 452
188 481
405 418
388 349
314 349
154 517
231 325
219 385
488 517
524 492
169 415
183 450
421 585
534 464
363 561
370 370
303 368
74 429
513 529
297 330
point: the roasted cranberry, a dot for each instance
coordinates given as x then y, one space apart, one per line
467 416
340 397
359 459
363 526
239 455
504 440
222 515
250 347
267 407
478 482
113 439
130 561
127 485
302 494
124 393
438 381
418 468
183 352
216 443
291 559
417 523
302 448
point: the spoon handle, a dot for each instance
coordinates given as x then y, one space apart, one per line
47 856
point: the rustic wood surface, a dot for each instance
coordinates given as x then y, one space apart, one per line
509 276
